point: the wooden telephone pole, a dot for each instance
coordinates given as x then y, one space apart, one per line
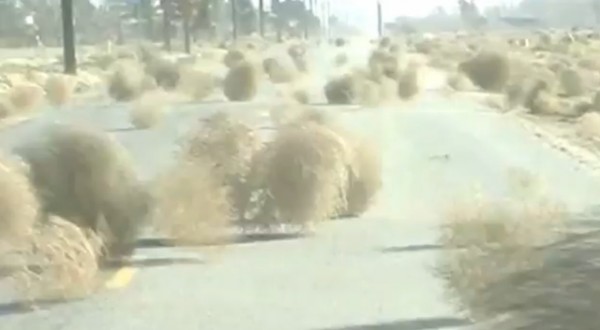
70 61
261 17
166 8
379 19
186 9
234 18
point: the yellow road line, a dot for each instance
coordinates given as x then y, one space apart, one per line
121 278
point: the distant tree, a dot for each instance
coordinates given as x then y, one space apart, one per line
11 19
247 17
470 14
440 11
292 14
186 10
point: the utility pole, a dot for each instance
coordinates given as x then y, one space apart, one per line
275 9
261 17
379 19
327 12
306 17
70 61
166 7
234 18
187 12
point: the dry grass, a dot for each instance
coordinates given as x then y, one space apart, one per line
342 90
298 54
439 61
385 42
369 93
304 172
488 70
148 83
301 64
572 83
297 51
588 125
85 176
589 62
197 84
540 100
340 59
308 115
408 83
60 89
101 60
282 114
125 81
241 82
229 145
66 258
301 96
279 70
388 89
426 47
485 241
340 42
26 97
514 95
18 202
459 82
596 101
165 72
375 91
547 104
192 204
365 177
384 63
495 101
36 77
148 111
560 293
233 58
226 142
7 109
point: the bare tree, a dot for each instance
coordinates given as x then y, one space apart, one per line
470 14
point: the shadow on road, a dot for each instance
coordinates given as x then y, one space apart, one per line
151 262
417 324
266 237
121 129
24 307
152 243
411 248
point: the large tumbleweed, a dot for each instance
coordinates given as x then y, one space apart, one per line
61 262
485 242
305 173
84 176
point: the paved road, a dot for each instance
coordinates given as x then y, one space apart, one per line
367 273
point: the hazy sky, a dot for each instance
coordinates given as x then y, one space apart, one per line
363 12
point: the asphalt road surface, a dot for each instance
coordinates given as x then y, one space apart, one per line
368 273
